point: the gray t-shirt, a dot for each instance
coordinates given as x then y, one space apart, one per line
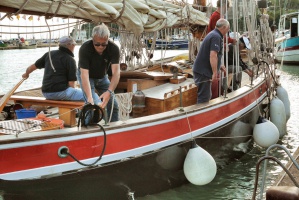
212 42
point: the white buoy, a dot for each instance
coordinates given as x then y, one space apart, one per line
199 167
282 94
239 131
278 116
265 134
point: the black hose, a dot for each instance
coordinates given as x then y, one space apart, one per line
95 115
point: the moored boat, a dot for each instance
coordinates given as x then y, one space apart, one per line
29 46
143 153
287 45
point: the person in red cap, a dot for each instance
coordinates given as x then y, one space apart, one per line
59 72
222 6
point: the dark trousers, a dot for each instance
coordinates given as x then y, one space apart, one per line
203 83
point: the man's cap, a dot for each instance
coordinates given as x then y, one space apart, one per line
245 41
67 40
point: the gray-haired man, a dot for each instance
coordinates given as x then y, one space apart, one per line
208 60
98 57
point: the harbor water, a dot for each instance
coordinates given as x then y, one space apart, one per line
234 181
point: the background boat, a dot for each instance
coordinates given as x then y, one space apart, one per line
173 42
287 42
28 46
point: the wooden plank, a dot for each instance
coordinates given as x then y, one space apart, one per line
66 108
159 91
143 84
145 75
42 101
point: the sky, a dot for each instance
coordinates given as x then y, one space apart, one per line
10 28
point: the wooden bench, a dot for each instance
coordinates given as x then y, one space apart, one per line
65 108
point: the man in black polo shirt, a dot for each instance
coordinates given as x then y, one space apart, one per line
96 58
60 72
208 60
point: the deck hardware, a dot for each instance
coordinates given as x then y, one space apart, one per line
63 152
131 195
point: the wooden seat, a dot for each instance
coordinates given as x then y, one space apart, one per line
65 108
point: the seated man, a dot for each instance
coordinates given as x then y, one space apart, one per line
60 72
234 71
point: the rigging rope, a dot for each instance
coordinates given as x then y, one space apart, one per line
124 101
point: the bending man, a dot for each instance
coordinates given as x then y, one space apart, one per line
98 57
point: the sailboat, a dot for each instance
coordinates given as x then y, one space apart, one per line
287 42
145 152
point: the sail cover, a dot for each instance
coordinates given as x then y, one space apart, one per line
133 15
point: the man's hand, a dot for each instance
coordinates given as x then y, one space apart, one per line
249 72
25 76
105 96
234 41
222 68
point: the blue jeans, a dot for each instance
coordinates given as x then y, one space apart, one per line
70 94
101 85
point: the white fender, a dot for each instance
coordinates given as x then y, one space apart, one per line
282 94
171 158
199 167
240 129
265 134
278 116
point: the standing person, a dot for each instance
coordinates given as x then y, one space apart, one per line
97 57
60 72
234 74
222 6
205 70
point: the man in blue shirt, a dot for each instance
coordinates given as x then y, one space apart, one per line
208 60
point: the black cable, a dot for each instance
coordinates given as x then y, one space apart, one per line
95 115
99 158
90 115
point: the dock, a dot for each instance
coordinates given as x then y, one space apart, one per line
284 188
283 178
39 45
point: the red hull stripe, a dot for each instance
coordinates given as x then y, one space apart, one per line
43 155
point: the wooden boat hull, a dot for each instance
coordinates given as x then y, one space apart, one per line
31 167
288 51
